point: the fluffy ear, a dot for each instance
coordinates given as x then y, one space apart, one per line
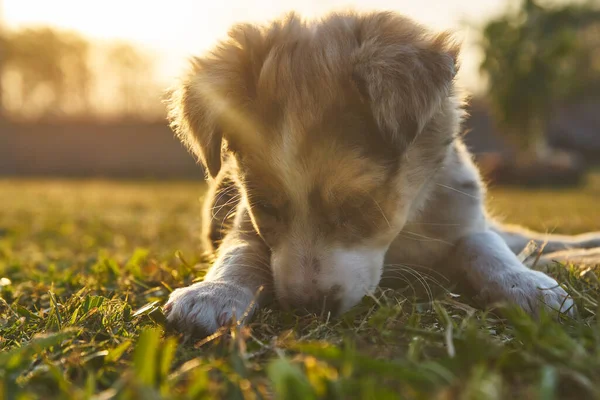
191 119
212 98
403 71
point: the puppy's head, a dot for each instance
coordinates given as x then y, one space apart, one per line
335 127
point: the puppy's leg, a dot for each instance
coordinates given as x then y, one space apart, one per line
517 238
496 275
229 288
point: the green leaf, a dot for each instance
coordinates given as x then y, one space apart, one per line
135 262
91 302
548 383
55 310
166 360
144 357
117 352
22 311
289 381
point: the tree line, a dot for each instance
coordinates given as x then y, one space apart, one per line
50 73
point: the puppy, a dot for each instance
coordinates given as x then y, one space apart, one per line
334 152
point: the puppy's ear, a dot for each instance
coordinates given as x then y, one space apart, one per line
213 98
403 71
195 124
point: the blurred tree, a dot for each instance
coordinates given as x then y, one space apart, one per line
49 71
133 72
2 47
536 58
2 51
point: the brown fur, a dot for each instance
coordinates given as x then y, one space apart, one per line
331 82
304 71
334 145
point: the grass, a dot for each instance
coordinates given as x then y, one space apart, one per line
84 267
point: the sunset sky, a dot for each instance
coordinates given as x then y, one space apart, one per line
176 29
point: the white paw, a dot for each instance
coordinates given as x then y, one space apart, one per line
201 309
531 290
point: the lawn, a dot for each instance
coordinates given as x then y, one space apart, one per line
85 266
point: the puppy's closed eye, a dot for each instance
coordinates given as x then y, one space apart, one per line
350 208
349 215
267 209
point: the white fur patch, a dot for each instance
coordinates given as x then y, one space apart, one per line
348 274
529 289
357 271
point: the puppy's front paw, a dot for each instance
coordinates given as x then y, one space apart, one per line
531 290
200 309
